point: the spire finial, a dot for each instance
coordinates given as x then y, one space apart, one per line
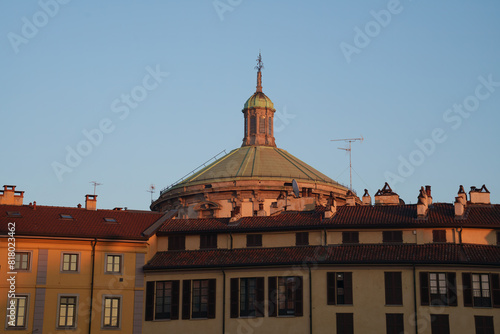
259 67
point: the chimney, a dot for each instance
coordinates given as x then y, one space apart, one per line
479 196
459 207
367 200
9 196
429 197
350 198
386 196
91 202
462 195
331 210
423 203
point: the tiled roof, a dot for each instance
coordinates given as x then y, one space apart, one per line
390 216
283 221
47 221
466 254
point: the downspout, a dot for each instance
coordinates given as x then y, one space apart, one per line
93 243
310 302
326 241
231 236
415 299
224 302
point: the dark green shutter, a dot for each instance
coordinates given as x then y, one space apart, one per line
330 288
348 289
467 284
272 296
150 300
495 287
211 298
234 297
259 308
299 297
452 289
424 288
186 299
174 312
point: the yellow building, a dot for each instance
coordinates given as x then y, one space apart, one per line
74 268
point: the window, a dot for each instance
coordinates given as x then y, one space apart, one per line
345 323
20 304
111 312
110 220
392 236
262 125
23 261
176 242
270 126
481 290
254 240
67 312
247 297
66 216
393 288
70 262
440 324
302 238
114 263
394 323
438 289
439 236
208 241
201 297
285 296
253 125
339 288
350 237
484 325
14 214
162 300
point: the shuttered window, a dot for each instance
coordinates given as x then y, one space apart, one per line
394 323
440 324
484 325
339 288
302 238
285 295
162 300
198 298
392 236
350 237
439 236
208 241
393 288
247 297
176 242
438 289
345 323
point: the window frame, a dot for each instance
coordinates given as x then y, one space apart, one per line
339 284
29 254
198 300
289 295
482 324
75 311
350 237
103 312
392 236
208 241
78 256
26 312
163 315
482 300
254 243
439 236
250 308
302 239
112 272
393 288
176 242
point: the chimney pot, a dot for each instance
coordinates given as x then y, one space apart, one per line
91 202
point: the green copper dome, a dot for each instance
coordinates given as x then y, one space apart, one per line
259 100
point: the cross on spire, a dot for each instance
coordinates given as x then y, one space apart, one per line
260 66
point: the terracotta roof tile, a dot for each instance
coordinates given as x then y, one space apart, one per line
344 254
47 221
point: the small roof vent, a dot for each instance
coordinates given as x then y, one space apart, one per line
13 214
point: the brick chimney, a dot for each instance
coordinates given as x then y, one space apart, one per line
386 196
91 202
479 196
428 192
350 198
462 195
423 203
367 200
9 196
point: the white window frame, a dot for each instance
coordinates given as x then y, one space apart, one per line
106 264
75 321
30 261
26 314
120 306
78 261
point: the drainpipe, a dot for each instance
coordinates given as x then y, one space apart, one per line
310 302
223 302
415 299
459 230
231 236
326 241
93 243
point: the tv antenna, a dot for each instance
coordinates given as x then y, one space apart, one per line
95 183
348 150
152 191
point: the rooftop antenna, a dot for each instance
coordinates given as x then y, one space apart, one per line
348 150
151 190
95 183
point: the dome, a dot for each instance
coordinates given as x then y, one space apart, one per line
260 163
259 100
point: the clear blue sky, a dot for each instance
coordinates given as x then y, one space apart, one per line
386 70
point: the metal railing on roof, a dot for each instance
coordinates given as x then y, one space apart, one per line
203 165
